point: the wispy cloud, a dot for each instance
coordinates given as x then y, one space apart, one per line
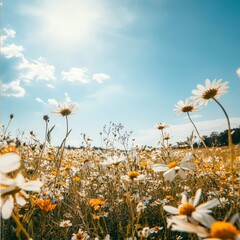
151 136
52 102
13 89
100 77
12 50
8 33
40 100
37 70
76 74
238 72
49 85
67 98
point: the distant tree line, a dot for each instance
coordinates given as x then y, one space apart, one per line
220 139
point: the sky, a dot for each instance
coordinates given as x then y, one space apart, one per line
126 61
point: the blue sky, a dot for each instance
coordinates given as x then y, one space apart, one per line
124 61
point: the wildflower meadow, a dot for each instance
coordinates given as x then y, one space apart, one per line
125 192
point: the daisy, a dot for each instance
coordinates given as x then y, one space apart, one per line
211 90
65 223
9 162
218 230
160 126
80 235
115 160
65 109
173 168
189 210
185 107
13 190
133 176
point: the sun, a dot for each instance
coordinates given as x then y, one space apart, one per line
70 22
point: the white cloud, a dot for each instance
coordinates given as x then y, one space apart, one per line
76 74
37 70
9 33
13 89
238 72
67 98
100 77
52 101
151 136
40 100
12 50
49 85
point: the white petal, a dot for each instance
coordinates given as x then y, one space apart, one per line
32 186
171 209
209 204
9 162
170 175
7 207
20 200
203 218
182 174
197 197
184 199
183 226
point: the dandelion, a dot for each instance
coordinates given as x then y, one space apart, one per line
13 190
9 162
65 223
173 168
65 109
189 210
80 235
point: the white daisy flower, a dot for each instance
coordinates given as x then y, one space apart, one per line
173 168
65 109
65 223
189 210
215 231
211 90
80 235
185 107
133 176
14 189
9 162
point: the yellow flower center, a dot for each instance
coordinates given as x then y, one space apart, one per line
80 235
223 230
172 165
187 108
212 92
186 209
133 174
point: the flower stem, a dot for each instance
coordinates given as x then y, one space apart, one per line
197 131
230 145
20 226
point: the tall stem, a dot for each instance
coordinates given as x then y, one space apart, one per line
196 130
59 161
230 145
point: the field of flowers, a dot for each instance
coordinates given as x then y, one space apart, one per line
131 192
